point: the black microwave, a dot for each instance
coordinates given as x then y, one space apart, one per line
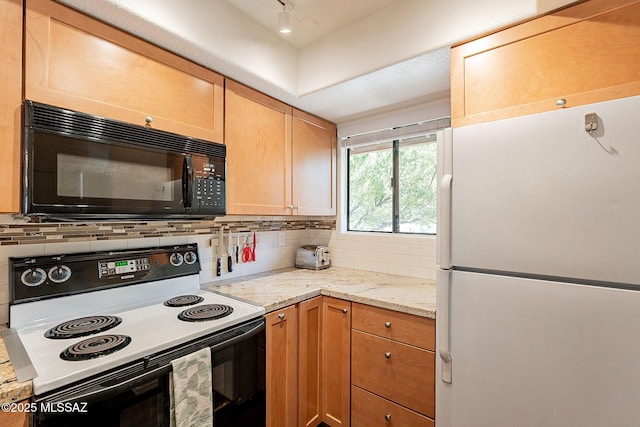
80 166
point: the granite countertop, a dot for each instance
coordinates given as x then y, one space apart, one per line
10 389
280 288
277 289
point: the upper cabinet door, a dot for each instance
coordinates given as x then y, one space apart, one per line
10 104
314 165
76 62
258 139
579 55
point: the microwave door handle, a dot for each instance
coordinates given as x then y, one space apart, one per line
187 181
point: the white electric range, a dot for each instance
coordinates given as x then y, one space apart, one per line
90 323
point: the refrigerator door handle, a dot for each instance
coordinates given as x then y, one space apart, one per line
444 333
444 227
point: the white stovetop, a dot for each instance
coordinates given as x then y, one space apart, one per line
151 325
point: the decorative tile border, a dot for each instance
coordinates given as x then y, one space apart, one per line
27 233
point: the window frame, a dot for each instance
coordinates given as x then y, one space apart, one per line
440 127
395 210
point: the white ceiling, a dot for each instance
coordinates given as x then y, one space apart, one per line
344 60
310 19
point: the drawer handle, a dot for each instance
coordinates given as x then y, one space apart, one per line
387 325
387 417
344 310
281 316
387 355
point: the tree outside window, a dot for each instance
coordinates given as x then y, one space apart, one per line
392 187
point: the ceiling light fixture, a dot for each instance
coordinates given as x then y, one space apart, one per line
284 17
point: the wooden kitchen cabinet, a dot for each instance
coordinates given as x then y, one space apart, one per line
310 344
370 410
313 165
10 104
258 139
281 161
317 344
581 54
15 419
336 362
281 376
393 359
77 62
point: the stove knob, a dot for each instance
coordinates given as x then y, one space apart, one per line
176 259
190 257
33 277
59 274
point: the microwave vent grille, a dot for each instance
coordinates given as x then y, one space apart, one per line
89 127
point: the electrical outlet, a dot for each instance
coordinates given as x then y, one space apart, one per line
281 240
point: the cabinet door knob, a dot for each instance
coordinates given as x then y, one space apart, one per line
290 207
148 120
387 325
281 316
387 417
296 207
561 102
387 355
344 310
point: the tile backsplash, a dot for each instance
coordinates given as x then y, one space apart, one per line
395 254
405 255
18 239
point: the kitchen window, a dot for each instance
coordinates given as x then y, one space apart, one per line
392 179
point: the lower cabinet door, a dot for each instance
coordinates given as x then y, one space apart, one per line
281 346
369 410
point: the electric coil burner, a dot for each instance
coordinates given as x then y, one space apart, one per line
183 300
205 312
94 347
83 326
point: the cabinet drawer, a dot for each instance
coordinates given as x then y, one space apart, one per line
406 328
395 371
369 410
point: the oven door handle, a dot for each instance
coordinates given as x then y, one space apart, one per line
233 341
101 392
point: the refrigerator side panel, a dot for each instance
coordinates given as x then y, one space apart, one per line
531 353
541 195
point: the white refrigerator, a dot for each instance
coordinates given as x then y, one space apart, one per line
538 315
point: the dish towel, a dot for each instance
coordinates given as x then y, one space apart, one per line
190 390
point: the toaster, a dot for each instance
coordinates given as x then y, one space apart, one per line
313 257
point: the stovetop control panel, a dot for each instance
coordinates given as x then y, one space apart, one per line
35 278
106 268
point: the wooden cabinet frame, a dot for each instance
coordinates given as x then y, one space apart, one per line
281 161
77 62
583 54
10 104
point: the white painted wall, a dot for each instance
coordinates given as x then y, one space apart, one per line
396 34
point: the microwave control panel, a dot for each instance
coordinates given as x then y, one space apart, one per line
209 193
208 185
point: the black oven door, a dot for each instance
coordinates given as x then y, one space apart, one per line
138 396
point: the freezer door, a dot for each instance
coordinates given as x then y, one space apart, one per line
531 353
541 195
